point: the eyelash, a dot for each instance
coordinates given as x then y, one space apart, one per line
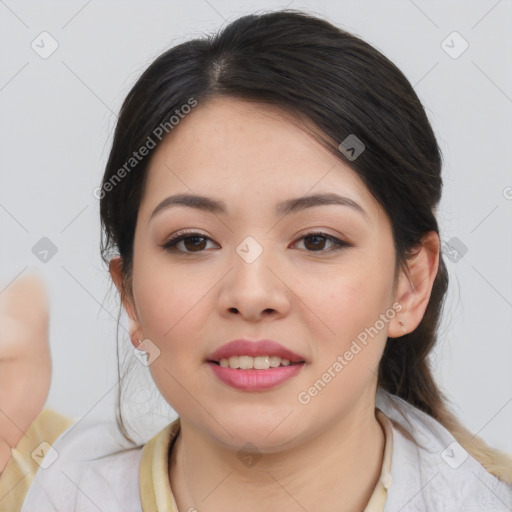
170 245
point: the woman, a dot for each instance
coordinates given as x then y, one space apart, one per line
269 216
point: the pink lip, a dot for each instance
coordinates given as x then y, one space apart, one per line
255 380
254 348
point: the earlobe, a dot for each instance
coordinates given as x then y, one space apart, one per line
415 286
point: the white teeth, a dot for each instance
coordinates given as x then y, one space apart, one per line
258 363
245 362
275 361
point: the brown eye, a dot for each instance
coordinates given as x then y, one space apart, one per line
192 242
315 242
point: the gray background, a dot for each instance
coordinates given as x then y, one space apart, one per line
56 123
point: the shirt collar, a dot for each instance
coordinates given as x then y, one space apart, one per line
155 488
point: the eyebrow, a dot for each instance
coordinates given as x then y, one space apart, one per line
290 206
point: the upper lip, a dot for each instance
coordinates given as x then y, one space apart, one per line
264 347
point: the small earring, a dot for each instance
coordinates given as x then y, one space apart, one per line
134 337
402 325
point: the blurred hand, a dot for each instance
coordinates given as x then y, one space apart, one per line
25 363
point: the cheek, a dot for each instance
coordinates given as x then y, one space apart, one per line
158 306
165 297
351 308
170 310
173 304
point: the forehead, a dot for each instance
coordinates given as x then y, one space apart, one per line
241 151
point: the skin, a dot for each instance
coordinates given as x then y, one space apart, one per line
325 455
25 364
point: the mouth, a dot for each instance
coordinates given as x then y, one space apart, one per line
247 354
264 362
259 373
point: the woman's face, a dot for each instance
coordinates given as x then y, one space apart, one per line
248 272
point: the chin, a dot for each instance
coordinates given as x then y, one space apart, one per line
267 436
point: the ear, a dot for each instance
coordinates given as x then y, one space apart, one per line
115 268
415 286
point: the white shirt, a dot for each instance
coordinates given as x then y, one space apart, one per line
96 471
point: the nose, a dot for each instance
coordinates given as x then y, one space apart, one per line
254 290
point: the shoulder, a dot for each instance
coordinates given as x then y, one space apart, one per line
431 470
27 457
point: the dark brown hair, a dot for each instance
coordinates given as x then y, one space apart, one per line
343 86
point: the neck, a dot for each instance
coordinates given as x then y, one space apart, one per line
336 470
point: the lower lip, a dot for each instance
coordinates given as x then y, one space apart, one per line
255 380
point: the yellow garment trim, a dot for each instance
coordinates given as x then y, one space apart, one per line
155 489
22 467
379 495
